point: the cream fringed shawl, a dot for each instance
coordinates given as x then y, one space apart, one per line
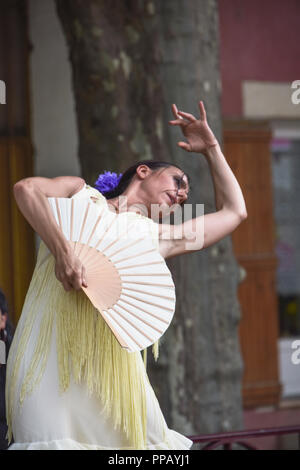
86 348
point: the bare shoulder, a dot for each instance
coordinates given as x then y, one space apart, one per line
60 186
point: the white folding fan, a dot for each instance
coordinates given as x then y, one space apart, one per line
128 280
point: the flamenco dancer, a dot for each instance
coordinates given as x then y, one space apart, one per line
69 383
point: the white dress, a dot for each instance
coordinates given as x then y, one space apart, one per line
41 416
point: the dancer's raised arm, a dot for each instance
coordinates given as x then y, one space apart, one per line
203 231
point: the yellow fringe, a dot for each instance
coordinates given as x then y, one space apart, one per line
145 358
86 348
155 351
109 371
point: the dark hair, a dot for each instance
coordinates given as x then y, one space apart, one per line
130 172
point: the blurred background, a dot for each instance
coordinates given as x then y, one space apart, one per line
87 86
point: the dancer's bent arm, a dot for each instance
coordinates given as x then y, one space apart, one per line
31 197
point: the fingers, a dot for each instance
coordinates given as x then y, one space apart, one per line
185 146
77 281
178 114
62 279
83 273
202 110
71 273
175 110
67 286
188 116
179 120
80 279
176 122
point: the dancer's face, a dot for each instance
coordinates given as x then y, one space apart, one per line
154 192
164 187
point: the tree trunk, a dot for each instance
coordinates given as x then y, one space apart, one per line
203 360
113 49
131 60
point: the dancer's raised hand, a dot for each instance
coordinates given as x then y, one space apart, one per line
197 132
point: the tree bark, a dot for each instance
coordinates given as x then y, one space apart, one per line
130 61
113 49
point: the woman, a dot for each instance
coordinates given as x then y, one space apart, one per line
69 383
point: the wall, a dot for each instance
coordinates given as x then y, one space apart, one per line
53 119
259 42
53 114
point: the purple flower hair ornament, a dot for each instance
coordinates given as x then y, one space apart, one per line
107 181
